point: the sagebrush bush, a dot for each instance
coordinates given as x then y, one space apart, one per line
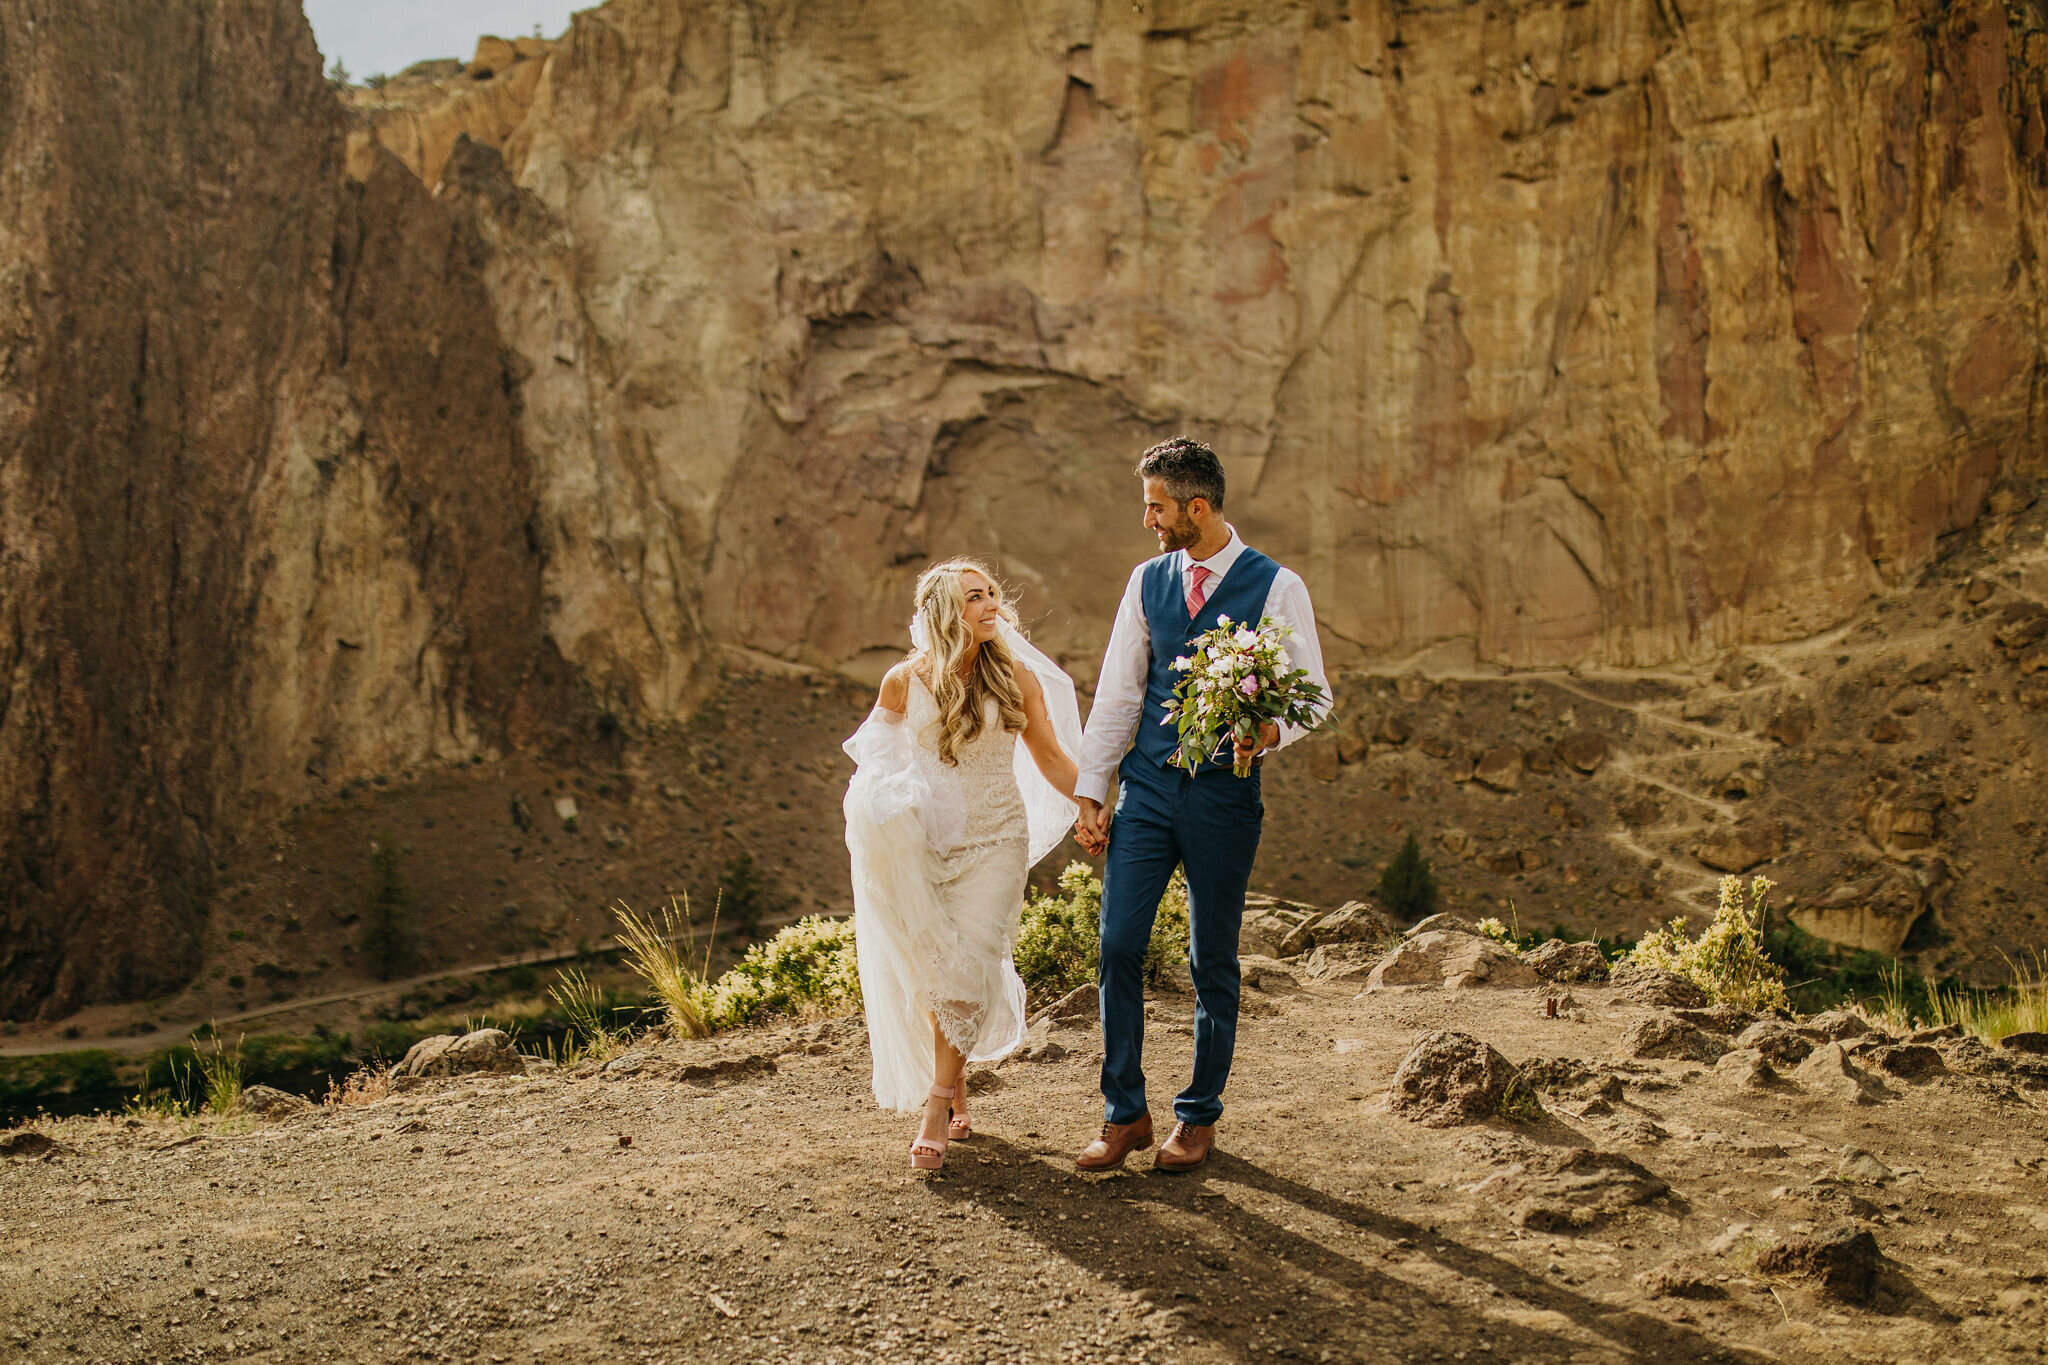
1727 961
808 968
1059 939
1059 943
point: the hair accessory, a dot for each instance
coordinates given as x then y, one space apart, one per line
920 634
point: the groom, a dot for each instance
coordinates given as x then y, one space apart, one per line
1206 821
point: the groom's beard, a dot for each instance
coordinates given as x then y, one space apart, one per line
1178 536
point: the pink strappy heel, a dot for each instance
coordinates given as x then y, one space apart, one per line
926 1155
959 1125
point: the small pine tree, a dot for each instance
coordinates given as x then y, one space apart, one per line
1408 887
387 919
337 74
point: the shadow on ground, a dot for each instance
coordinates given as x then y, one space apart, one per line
1261 1266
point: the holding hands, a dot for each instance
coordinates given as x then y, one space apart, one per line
1091 829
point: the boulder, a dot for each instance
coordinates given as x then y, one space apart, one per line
1082 1002
1038 1045
1262 935
1557 960
272 1103
1791 726
1747 1068
1446 958
1432 923
1654 986
1499 768
1393 730
1586 750
1450 1078
487 1050
1836 1026
1353 922
1777 1043
1909 1061
1665 1037
2026 1044
1741 847
1905 819
1859 1167
1830 1071
1341 961
1726 1020
1844 1258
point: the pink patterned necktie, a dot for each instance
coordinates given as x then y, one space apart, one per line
1198 589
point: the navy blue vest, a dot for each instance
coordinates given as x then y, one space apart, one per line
1240 595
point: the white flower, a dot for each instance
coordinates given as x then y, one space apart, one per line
1284 660
1244 639
1183 664
1219 668
1222 620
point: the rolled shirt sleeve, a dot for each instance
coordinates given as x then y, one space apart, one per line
1119 694
1288 599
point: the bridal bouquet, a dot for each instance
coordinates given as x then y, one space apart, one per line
1238 678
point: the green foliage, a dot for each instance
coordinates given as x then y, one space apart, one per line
1058 941
1407 889
589 1013
337 76
808 968
1727 961
387 915
220 1068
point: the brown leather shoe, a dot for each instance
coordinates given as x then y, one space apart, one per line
1118 1141
1187 1148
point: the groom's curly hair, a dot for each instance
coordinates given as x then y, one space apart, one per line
1188 468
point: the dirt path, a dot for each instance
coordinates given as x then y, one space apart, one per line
764 1216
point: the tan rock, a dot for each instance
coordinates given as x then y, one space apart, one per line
1586 750
1743 846
1499 768
1452 960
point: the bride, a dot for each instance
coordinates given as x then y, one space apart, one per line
966 779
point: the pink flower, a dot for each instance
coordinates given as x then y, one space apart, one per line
1250 687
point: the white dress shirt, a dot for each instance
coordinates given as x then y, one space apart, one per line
1120 690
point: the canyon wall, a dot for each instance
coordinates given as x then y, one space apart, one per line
339 435
1557 332
265 510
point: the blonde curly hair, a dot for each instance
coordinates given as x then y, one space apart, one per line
942 602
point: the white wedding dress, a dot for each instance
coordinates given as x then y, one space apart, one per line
940 855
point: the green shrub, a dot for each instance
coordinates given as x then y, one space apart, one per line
1059 944
387 917
1727 961
808 968
1407 889
1058 941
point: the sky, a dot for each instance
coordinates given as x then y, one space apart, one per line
372 36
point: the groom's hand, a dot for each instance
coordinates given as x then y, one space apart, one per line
1269 737
1092 828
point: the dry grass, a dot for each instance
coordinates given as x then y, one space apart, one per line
2021 1007
221 1068
658 951
365 1085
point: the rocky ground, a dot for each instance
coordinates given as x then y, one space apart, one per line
1817 1195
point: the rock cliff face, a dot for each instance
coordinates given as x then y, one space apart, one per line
343 435
1560 332
265 510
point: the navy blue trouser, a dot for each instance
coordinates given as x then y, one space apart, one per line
1208 823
